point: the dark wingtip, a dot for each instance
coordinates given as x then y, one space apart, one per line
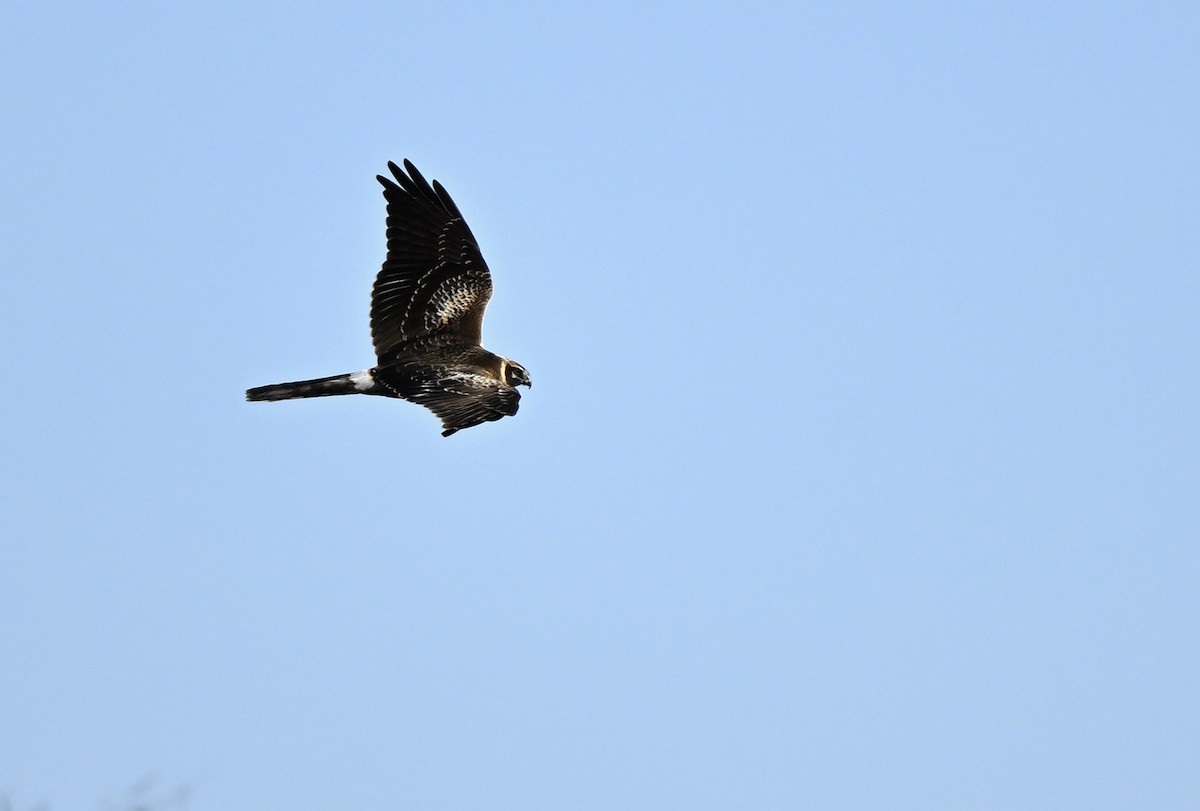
449 431
387 182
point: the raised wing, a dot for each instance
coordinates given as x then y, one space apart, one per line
459 399
434 282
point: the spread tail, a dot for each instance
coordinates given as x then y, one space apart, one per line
357 383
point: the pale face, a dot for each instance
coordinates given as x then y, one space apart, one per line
515 375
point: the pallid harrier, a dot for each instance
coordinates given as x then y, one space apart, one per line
426 317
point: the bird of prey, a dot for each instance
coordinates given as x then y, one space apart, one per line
426 317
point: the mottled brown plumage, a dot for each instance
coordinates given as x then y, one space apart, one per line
427 310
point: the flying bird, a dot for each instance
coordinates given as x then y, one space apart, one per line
426 317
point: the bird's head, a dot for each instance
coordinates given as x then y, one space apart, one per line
515 374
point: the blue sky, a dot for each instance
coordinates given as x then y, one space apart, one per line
860 469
